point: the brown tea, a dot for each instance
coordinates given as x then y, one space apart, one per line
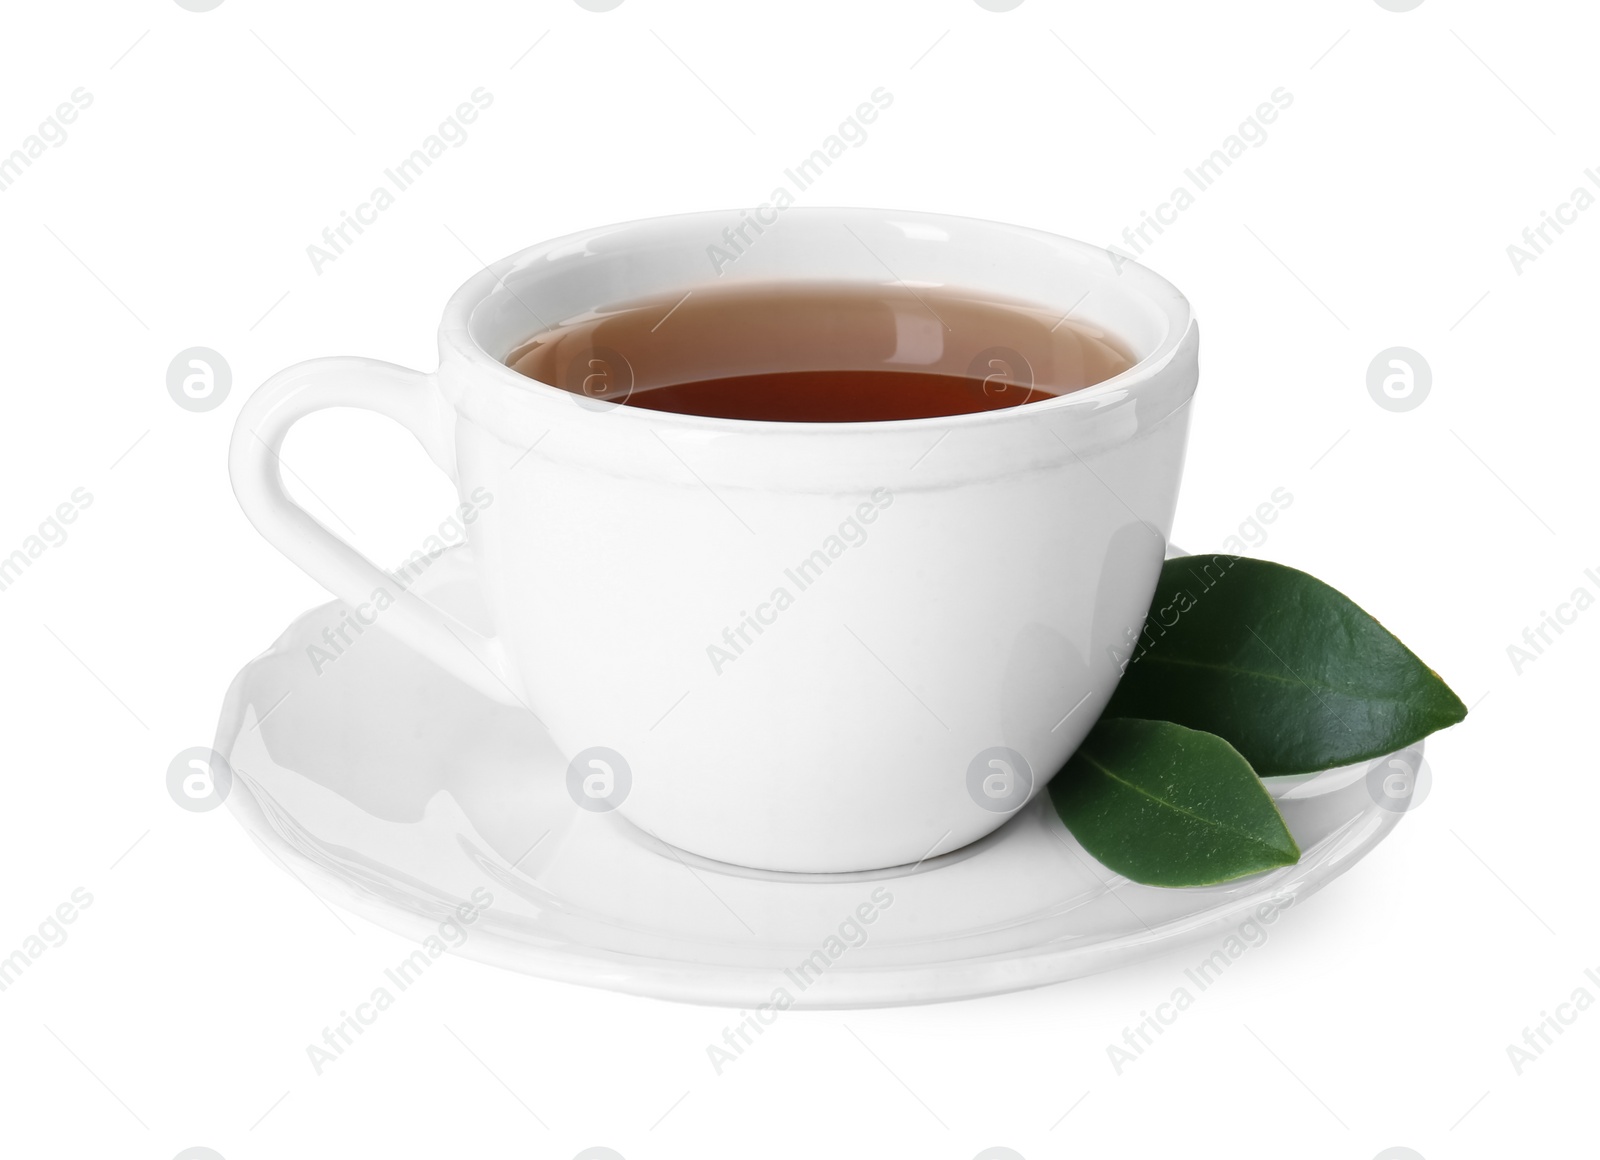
822 353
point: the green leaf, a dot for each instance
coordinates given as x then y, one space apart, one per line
1290 671
1169 806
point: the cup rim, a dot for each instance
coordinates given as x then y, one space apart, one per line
455 331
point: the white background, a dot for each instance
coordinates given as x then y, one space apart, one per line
1378 212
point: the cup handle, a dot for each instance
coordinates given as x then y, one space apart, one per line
408 397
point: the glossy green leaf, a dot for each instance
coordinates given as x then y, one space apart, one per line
1290 671
1169 806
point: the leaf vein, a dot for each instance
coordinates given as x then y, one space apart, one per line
1153 658
1176 808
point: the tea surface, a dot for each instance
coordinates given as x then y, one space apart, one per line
822 353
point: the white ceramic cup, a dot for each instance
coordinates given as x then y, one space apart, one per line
960 590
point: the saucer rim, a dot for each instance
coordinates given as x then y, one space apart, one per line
843 987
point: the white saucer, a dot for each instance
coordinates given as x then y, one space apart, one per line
396 792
